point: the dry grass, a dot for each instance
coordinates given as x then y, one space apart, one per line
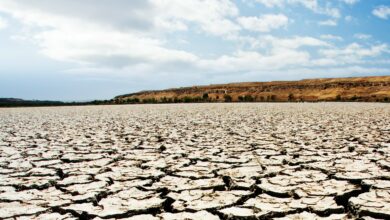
330 89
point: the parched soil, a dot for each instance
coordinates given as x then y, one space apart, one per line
196 161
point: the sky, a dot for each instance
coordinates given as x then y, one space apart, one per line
78 50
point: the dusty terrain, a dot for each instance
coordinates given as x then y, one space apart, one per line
372 89
196 161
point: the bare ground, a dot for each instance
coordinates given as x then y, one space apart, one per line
196 161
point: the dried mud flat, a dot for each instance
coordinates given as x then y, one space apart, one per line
196 161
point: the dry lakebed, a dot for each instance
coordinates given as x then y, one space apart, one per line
196 161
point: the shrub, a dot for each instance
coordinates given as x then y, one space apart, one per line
290 97
354 98
164 100
150 100
187 99
197 99
132 100
227 98
205 96
248 98
262 98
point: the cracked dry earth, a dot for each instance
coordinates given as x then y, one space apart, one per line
196 161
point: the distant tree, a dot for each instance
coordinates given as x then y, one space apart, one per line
261 98
338 98
354 98
149 100
205 96
386 99
227 98
96 102
241 98
129 101
273 98
248 98
290 97
197 99
187 99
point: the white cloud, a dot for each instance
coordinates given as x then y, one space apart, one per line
331 37
272 3
350 2
353 53
117 33
3 23
348 18
312 5
329 22
277 53
361 36
294 42
243 61
212 16
136 39
382 12
264 23
110 48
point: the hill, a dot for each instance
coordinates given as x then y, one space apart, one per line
14 102
367 89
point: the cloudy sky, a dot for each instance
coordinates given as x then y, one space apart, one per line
96 49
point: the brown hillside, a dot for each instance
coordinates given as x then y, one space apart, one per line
330 89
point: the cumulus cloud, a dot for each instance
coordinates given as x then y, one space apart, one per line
211 16
272 3
3 23
331 37
118 37
350 2
356 49
361 36
74 31
294 42
245 61
382 12
353 53
263 23
329 22
312 5
348 18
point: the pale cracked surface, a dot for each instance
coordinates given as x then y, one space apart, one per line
196 161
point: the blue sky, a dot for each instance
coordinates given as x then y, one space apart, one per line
97 49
